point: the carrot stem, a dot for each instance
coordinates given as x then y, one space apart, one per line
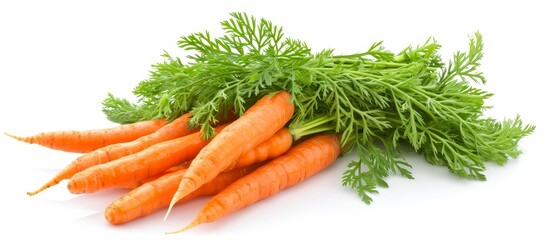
302 128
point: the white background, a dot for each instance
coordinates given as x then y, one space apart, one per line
59 59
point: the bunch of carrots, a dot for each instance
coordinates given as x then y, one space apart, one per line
250 158
294 112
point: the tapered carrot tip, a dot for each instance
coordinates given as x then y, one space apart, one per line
195 223
172 203
175 199
35 192
44 187
22 139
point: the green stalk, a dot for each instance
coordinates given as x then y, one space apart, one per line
302 128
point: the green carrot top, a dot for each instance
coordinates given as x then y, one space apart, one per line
376 99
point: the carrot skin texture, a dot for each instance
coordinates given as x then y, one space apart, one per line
156 194
139 166
256 125
89 140
275 146
299 163
135 184
174 129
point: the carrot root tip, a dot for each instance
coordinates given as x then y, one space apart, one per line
169 210
43 187
22 139
32 193
175 199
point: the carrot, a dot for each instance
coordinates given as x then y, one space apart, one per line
256 125
299 163
174 129
89 140
135 184
274 147
156 194
139 166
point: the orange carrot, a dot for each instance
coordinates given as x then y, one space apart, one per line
139 166
135 184
256 125
89 140
274 147
156 194
174 129
299 163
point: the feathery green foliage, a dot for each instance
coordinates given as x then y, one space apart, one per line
377 100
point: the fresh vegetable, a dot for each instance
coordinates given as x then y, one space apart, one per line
174 129
278 144
89 140
147 163
156 194
374 103
274 147
299 163
259 123
378 100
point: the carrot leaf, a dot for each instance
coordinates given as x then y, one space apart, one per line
380 102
